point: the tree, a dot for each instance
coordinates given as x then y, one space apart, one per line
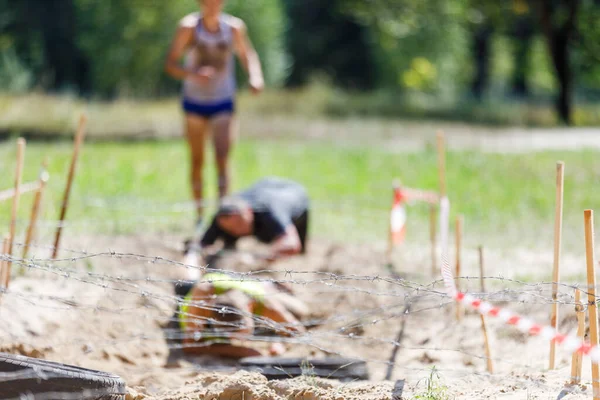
322 38
65 63
558 21
412 33
43 34
522 35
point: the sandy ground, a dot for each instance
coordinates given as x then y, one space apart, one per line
107 311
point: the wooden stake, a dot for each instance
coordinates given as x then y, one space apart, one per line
459 226
488 352
432 238
441 148
17 196
63 212
591 280
43 179
576 364
4 270
560 172
481 269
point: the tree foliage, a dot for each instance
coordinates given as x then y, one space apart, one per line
119 45
452 49
323 39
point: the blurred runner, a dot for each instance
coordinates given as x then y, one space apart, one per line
206 42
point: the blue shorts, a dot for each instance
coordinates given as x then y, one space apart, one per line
208 110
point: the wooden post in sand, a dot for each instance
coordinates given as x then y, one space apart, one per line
560 174
43 179
15 202
488 352
576 362
63 212
591 290
441 149
4 271
432 238
481 269
459 229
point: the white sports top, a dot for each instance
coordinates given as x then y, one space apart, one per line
214 49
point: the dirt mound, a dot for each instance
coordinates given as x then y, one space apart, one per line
253 386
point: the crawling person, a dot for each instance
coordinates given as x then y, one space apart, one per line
223 309
273 210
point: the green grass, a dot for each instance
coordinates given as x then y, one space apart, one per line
133 186
434 389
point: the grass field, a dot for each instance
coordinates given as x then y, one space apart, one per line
124 187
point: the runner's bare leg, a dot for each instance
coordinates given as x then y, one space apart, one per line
224 132
196 128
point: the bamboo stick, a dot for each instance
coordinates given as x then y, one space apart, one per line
560 171
576 364
63 212
591 280
43 179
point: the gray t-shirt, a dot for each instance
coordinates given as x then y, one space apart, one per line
276 203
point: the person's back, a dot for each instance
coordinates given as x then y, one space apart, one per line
277 195
273 210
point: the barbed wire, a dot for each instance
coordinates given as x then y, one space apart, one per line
356 324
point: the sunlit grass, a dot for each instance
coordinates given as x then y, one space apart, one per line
133 186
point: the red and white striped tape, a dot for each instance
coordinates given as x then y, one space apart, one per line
398 217
570 343
398 212
421 195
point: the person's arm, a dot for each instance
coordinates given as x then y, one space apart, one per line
211 235
198 310
247 55
277 313
285 245
198 313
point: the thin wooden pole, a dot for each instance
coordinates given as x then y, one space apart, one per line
459 229
481 269
432 238
591 290
17 196
576 364
43 179
63 212
488 351
560 174
4 270
441 149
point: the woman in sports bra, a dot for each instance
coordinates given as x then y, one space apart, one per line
206 42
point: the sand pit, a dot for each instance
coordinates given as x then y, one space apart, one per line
108 312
